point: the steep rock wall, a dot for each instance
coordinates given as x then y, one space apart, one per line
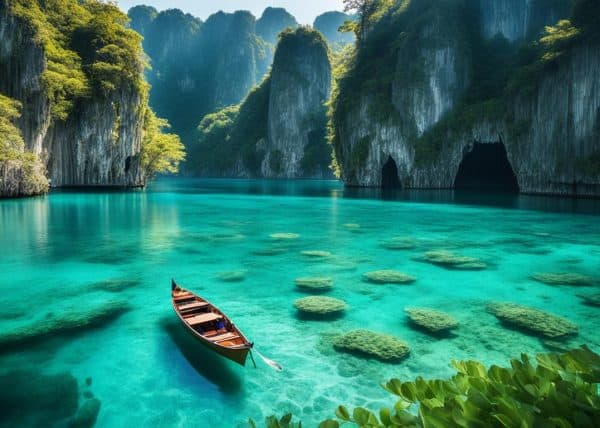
98 144
520 19
300 84
432 72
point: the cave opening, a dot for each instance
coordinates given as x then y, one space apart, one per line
389 175
486 167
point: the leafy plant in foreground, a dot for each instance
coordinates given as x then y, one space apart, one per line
558 390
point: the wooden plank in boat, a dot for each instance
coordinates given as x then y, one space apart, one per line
202 318
223 337
193 305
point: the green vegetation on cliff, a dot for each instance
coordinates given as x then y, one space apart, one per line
14 156
233 140
393 37
89 56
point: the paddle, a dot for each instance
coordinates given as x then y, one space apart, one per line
273 364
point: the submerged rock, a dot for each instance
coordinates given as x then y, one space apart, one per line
270 251
590 299
320 305
87 414
315 283
388 277
316 254
377 345
284 236
563 279
232 275
70 322
431 320
532 320
451 260
399 243
33 399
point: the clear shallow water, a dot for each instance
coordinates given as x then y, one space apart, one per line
147 371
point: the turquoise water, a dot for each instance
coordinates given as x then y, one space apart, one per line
147 372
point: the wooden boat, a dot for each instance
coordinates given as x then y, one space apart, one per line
209 325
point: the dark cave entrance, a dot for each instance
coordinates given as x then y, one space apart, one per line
389 175
486 167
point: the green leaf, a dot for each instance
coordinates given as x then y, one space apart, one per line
329 423
385 416
251 423
342 413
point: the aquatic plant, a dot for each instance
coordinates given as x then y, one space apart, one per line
399 243
532 320
316 254
569 278
388 277
557 390
284 236
314 283
377 345
69 322
320 305
451 260
232 275
431 320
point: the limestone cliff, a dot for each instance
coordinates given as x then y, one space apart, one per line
278 131
300 85
87 129
445 87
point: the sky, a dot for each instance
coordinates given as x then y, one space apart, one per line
305 11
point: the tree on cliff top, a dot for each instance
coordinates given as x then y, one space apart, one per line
365 10
161 152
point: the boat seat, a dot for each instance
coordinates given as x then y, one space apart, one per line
203 318
223 337
193 305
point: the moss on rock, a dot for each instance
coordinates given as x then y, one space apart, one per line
232 275
431 320
590 299
570 278
284 236
314 283
399 243
70 322
388 277
450 260
532 320
317 254
320 305
368 343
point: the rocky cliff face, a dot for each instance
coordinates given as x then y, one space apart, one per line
98 143
278 131
300 85
428 126
519 19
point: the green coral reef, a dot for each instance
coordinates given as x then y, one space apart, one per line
399 243
532 320
320 305
372 344
388 276
450 260
555 390
431 320
314 283
68 322
574 279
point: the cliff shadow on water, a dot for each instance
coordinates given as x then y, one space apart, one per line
486 167
203 362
